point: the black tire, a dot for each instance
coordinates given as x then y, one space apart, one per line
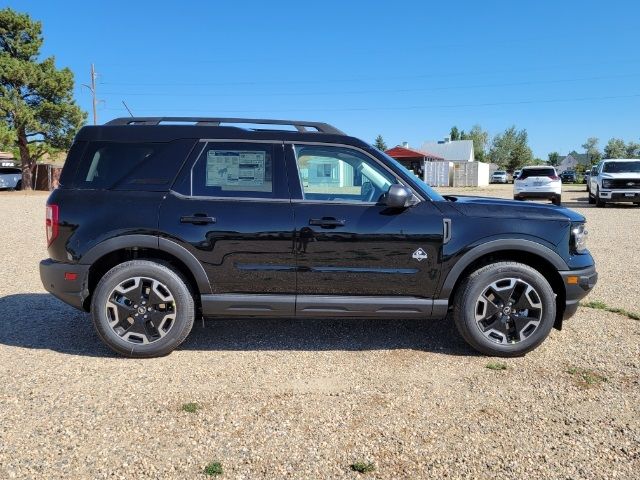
466 303
592 200
557 200
181 308
19 185
599 203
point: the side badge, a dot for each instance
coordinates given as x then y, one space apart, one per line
419 255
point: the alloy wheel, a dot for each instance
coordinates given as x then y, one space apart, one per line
141 310
508 311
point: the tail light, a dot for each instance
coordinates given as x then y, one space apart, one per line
554 177
51 223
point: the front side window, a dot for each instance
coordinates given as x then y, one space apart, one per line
237 170
339 174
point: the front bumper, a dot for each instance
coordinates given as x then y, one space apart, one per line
66 281
620 195
578 284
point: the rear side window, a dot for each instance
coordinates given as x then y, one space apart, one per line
241 170
131 166
537 172
10 171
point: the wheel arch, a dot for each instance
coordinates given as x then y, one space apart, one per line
112 252
533 254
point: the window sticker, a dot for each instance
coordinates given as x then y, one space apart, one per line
228 168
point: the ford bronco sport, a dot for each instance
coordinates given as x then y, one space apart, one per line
159 221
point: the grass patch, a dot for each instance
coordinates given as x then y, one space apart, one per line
599 305
213 469
496 366
586 378
190 407
363 467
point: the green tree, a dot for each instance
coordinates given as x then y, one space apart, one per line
380 143
633 150
480 139
554 159
615 148
510 149
454 134
38 114
591 149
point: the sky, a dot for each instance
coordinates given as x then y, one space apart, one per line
564 70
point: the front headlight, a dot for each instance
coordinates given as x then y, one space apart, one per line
579 235
607 183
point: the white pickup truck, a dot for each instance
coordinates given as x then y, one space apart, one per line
615 180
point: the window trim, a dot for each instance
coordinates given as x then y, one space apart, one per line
351 147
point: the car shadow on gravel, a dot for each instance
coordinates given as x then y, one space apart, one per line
40 321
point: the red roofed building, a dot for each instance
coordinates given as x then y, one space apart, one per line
412 159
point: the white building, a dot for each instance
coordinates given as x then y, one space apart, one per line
451 150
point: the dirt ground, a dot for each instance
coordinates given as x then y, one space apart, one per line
308 398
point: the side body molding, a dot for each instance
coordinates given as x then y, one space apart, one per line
151 241
497 246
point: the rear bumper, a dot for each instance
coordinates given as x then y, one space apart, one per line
547 195
73 291
578 284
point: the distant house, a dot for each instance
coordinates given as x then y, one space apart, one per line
571 161
412 159
451 150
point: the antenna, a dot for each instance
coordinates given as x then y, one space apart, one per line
128 110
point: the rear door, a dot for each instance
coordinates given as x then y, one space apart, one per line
347 242
231 209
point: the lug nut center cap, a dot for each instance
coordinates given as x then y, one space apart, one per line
142 310
506 310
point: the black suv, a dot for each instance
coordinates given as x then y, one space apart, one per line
569 176
159 221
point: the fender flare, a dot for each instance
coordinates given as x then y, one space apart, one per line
156 243
497 246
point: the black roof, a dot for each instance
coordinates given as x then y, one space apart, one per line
166 129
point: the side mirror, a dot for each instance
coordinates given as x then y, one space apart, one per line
398 196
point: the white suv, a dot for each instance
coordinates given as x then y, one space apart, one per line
615 180
538 182
499 176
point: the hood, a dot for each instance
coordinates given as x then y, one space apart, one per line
501 208
623 175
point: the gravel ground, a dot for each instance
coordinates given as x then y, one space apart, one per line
306 399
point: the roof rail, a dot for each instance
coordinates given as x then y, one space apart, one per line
301 126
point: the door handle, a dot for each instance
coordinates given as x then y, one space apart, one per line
327 222
197 219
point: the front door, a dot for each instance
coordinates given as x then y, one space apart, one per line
347 242
231 209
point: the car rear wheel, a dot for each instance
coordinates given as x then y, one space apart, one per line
142 309
557 200
504 309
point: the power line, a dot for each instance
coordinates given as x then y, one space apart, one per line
409 107
371 92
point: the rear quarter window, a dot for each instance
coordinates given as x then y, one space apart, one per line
150 166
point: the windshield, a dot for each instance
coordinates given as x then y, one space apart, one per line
621 167
499 172
426 189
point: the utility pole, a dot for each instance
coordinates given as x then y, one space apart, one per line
92 89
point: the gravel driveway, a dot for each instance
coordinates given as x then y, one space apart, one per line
306 399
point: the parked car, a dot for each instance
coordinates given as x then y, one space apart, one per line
587 176
538 182
569 176
10 178
516 174
499 176
157 223
615 180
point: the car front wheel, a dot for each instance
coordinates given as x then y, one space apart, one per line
599 203
142 309
504 309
